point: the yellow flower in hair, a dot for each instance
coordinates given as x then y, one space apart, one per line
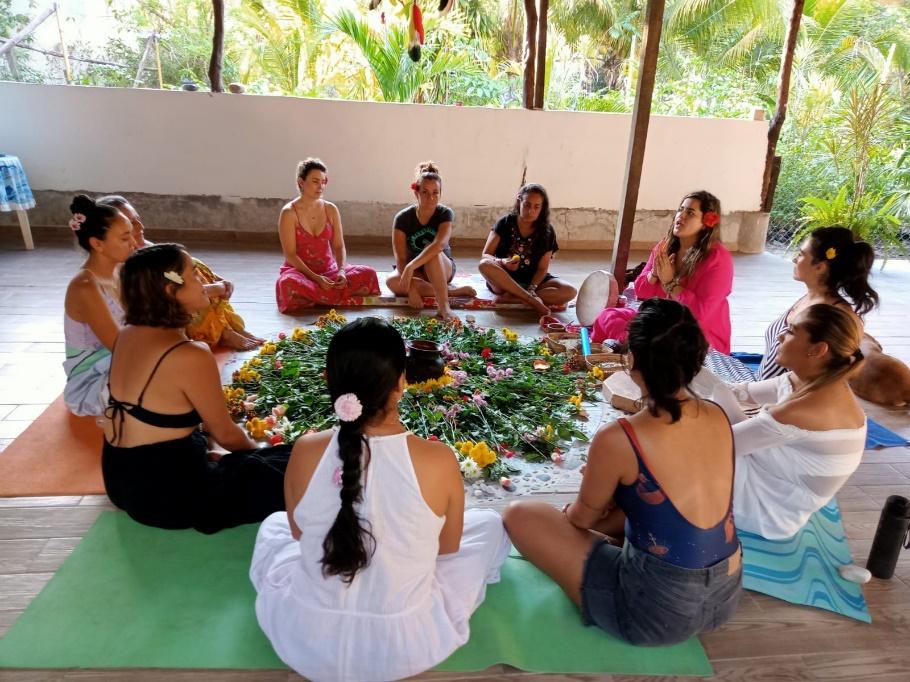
831 253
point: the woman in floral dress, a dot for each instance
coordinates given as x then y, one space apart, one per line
314 271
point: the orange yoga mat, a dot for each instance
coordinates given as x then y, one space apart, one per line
59 454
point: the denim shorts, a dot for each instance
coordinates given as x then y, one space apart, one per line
646 601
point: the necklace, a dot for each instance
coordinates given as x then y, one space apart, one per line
522 245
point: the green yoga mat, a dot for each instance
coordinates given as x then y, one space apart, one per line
136 597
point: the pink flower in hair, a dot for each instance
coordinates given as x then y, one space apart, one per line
76 222
348 407
336 477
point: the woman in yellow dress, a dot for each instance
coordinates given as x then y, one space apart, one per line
217 325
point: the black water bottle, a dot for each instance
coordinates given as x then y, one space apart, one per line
890 537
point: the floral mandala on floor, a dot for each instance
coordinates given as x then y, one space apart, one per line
501 396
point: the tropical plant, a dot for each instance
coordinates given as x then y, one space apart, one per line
870 218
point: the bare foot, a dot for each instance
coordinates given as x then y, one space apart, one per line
252 337
234 341
463 292
506 297
449 317
415 300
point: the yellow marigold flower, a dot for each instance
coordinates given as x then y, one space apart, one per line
576 401
247 376
544 350
509 335
465 447
257 427
299 334
255 362
233 394
482 454
597 372
268 349
549 432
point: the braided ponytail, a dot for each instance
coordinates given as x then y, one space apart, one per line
364 363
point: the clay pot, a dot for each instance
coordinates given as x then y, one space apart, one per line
425 361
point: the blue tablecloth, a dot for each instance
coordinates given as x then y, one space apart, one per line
15 194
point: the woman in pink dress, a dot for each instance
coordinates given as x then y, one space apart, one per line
689 265
314 271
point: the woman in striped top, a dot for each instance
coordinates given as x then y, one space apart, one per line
835 270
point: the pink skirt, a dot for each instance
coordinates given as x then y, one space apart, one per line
295 292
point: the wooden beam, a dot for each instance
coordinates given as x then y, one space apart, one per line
638 137
217 47
26 31
54 53
783 95
540 79
145 55
530 52
67 71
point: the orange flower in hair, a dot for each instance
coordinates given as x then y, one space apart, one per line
710 219
831 253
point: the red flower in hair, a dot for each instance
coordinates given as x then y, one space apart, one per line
414 186
710 219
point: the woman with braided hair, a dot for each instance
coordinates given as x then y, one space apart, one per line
797 452
375 569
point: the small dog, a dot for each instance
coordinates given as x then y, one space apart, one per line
882 379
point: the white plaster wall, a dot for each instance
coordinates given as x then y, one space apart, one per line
166 142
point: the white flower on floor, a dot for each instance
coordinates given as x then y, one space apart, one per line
469 469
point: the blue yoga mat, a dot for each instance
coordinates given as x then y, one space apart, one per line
877 436
803 569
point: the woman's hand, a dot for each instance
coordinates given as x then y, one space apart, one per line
406 275
664 263
228 288
324 282
511 264
341 280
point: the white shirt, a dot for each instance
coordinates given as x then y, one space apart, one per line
784 473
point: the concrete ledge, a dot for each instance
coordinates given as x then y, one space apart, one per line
245 220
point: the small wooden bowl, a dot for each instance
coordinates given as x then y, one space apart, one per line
608 362
557 341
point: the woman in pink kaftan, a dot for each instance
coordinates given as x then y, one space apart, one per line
689 265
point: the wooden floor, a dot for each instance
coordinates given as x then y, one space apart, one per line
767 640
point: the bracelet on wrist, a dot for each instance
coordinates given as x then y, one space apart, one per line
532 289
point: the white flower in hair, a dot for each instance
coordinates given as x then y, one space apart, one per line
348 407
173 277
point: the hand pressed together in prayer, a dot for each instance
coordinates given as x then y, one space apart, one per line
664 263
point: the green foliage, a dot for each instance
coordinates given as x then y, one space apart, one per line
870 218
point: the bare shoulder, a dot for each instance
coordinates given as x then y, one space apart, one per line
433 452
330 208
308 448
192 356
83 282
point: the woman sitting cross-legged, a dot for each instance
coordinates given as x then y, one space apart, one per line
163 386
793 456
218 324
315 271
423 259
689 265
375 569
516 258
92 310
669 471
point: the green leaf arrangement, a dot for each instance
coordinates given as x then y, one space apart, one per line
491 405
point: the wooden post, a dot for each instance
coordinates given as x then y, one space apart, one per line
158 62
67 71
145 56
26 30
530 52
638 137
217 47
783 95
540 79
13 66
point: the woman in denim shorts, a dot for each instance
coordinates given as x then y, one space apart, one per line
664 479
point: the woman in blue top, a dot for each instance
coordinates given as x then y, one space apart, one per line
669 472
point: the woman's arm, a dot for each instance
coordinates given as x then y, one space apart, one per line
434 248
200 382
85 303
337 237
543 267
645 286
450 535
489 249
760 432
603 472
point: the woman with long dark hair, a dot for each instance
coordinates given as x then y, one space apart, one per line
516 258
690 265
375 568
163 389
667 471
835 270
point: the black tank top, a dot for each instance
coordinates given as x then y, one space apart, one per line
118 409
